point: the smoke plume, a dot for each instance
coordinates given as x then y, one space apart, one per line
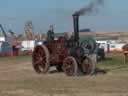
90 8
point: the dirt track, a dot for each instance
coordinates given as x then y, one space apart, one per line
19 79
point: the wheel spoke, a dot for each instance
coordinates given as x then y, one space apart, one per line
38 62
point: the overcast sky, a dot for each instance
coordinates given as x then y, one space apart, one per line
14 13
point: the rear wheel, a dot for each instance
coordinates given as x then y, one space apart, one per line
70 66
40 59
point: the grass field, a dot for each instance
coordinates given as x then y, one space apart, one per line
17 78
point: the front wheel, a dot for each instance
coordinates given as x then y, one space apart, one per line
87 66
70 66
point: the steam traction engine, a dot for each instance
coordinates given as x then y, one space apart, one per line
65 54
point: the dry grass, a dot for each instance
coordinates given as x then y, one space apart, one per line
17 78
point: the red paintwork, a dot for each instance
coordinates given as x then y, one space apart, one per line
57 49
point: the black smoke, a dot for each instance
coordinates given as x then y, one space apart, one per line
90 8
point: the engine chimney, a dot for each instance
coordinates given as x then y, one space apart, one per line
76 28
